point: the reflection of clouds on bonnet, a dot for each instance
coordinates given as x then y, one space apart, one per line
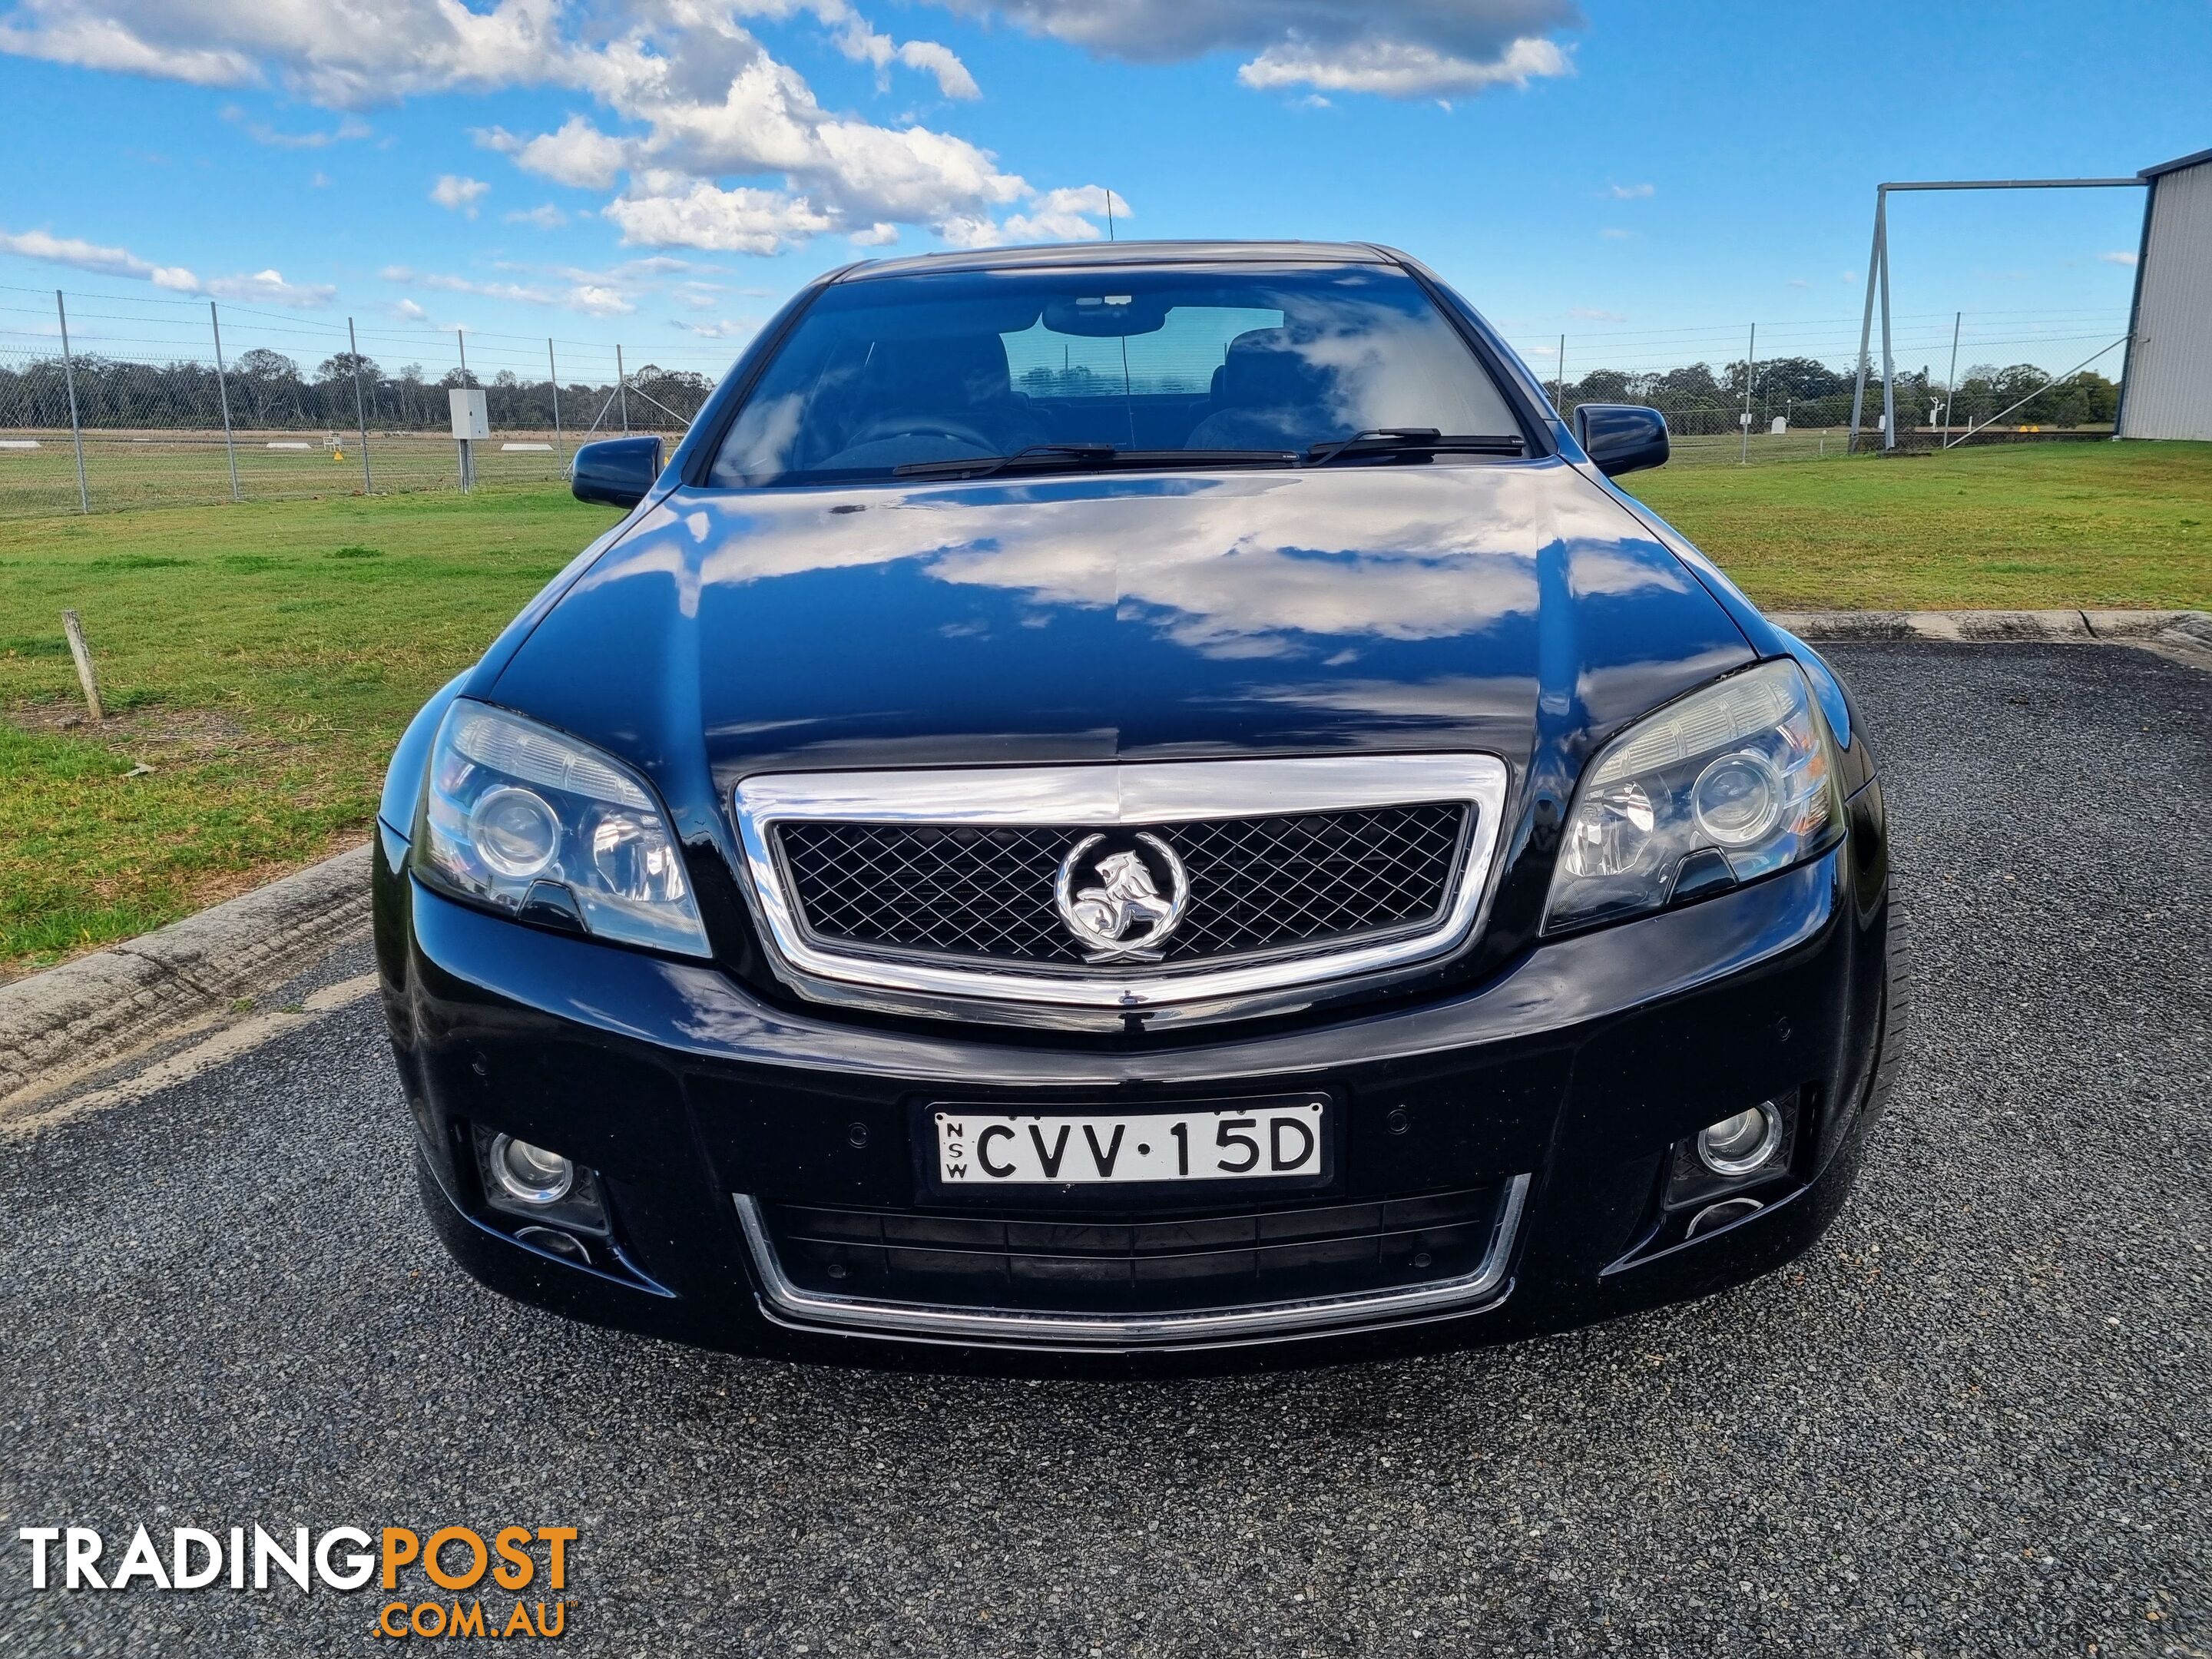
1260 565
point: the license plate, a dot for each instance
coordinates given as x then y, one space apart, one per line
1277 1140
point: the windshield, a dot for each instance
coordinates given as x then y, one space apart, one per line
1193 366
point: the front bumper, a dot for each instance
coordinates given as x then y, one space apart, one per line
1559 1089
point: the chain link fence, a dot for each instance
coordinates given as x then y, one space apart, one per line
1748 394
109 402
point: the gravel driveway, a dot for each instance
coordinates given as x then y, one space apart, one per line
1976 1419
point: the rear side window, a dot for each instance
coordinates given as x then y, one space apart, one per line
1194 363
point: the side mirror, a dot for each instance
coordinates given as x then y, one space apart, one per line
1621 437
616 472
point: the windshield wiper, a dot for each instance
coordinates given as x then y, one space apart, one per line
1413 440
1038 456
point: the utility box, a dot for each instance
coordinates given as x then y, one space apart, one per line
471 418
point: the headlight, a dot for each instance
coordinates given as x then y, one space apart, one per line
1727 783
518 817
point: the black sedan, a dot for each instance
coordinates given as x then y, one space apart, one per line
1130 802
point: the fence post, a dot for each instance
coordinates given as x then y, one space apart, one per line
1951 385
77 431
222 391
621 389
1866 322
1750 359
1560 377
553 373
85 676
360 415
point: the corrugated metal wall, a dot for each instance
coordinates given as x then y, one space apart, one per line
2169 392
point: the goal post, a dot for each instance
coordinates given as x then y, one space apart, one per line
1878 284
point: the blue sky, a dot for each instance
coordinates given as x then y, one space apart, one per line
1645 179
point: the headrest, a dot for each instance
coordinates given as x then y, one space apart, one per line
939 373
1265 370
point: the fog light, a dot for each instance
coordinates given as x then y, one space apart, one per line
1714 1216
566 1246
528 1174
1738 1145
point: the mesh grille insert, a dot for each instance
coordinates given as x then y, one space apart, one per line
1257 884
1134 1262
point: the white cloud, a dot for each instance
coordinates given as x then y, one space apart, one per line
881 233
545 216
1616 234
953 79
723 145
674 212
594 301
859 42
970 230
1401 69
264 287
2117 257
722 329
1629 192
341 56
63 33
270 288
90 256
576 153
592 294
1394 48
407 311
461 195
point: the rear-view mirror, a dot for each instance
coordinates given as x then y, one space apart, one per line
1108 316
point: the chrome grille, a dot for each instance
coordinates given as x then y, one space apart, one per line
1258 884
929 891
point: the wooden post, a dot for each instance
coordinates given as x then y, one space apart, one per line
83 653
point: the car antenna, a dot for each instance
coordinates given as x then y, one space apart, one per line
1109 213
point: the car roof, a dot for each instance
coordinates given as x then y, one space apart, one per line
1063 255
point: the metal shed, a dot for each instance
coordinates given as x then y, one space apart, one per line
2167 384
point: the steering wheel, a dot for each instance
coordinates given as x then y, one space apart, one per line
915 425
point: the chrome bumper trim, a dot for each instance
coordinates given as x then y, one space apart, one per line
1103 795
785 1302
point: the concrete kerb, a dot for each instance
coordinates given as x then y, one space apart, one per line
2182 631
101 1008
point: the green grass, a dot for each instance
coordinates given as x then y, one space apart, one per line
262 659
2015 528
148 469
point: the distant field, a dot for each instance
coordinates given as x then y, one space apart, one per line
129 470
262 659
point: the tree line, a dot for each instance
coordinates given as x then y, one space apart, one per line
1808 392
267 389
